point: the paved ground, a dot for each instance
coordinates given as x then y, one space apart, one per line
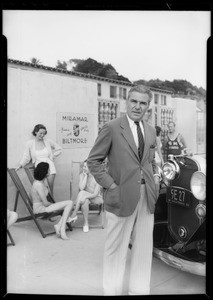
74 267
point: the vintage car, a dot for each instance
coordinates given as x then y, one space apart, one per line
180 216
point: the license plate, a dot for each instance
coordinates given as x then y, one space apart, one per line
178 196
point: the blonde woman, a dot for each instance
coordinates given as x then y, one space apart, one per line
90 191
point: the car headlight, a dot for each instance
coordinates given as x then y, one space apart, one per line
198 185
171 170
200 210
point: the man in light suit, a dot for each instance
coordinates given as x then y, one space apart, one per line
131 188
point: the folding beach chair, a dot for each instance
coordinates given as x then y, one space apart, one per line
11 238
95 209
21 191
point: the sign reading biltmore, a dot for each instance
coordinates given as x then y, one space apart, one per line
75 130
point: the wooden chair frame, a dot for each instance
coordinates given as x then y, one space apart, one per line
21 191
11 238
95 209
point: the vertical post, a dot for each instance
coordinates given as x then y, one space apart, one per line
16 200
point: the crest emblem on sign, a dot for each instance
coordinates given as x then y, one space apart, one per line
76 130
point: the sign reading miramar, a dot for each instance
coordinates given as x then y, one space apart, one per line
75 130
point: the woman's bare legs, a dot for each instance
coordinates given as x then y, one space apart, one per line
82 196
51 179
85 211
60 226
64 217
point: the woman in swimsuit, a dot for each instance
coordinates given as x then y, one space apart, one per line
39 192
40 149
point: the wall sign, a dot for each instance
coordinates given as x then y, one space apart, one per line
75 130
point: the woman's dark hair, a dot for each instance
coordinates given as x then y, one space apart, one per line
158 130
37 128
40 172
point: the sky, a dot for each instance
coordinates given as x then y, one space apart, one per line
163 45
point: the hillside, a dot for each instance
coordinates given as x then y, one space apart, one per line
179 87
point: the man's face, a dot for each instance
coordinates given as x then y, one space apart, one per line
171 127
137 105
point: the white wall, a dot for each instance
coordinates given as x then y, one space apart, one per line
186 120
35 96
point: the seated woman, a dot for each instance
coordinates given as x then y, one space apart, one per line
39 192
90 192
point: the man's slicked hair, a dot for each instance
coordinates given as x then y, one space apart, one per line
142 89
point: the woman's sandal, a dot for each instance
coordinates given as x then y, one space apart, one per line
72 220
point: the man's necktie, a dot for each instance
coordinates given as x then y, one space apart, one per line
140 141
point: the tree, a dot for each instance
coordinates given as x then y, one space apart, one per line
107 70
91 66
88 66
61 65
35 61
179 87
141 82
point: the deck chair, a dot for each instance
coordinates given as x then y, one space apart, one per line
95 209
21 191
11 238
